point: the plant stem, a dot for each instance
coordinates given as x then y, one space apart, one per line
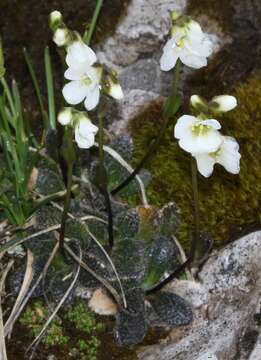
50 88
66 206
196 234
103 182
155 143
88 35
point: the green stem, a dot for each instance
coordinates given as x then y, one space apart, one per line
196 235
88 35
66 206
101 152
168 113
50 88
103 182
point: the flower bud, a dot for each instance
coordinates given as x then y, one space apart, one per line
199 103
55 20
61 36
113 88
65 117
223 103
175 15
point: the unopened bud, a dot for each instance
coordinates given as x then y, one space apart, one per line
175 15
223 103
199 103
113 87
65 116
61 37
55 20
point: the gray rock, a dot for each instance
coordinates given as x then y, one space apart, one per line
132 104
255 354
236 266
194 292
141 31
224 328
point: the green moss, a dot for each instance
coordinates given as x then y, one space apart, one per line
82 344
35 317
227 202
83 319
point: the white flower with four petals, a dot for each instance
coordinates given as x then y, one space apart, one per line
196 135
85 78
85 132
189 44
227 155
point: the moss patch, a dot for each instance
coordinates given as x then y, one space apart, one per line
227 202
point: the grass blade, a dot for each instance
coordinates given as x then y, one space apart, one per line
30 66
50 88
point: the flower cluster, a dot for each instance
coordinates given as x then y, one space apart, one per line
87 80
187 43
200 136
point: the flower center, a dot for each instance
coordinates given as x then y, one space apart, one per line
86 80
200 129
216 154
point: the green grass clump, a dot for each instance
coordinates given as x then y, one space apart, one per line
227 202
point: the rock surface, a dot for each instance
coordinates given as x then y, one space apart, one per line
225 326
134 51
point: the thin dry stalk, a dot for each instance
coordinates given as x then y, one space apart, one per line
3 354
28 277
67 293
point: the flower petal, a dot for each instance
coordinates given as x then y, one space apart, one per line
211 122
73 74
191 60
194 28
85 133
86 127
84 143
205 164
229 156
170 56
204 143
183 125
79 52
92 98
74 92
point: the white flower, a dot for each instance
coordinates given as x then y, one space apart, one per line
85 132
65 117
85 78
223 103
61 37
227 155
189 44
196 135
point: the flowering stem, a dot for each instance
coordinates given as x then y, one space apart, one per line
102 180
66 206
196 234
68 153
170 108
88 34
